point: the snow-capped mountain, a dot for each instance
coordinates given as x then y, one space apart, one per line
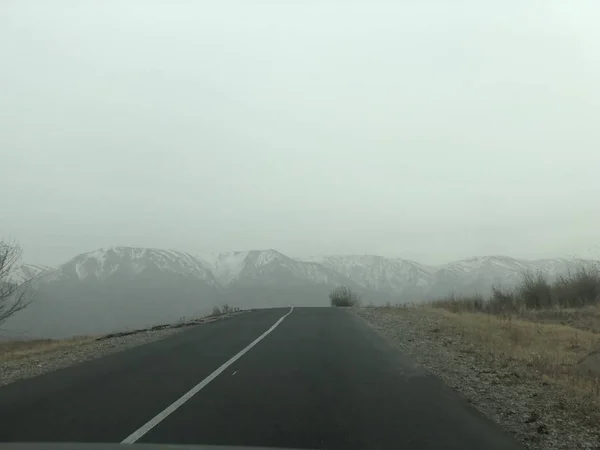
115 289
132 262
380 274
409 280
391 276
479 274
270 267
27 272
125 287
557 266
225 270
263 278
217 270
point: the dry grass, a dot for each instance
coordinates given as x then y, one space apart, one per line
12 350
585 318
579 289
551 351
523 375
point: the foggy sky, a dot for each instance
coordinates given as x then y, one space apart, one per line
428 130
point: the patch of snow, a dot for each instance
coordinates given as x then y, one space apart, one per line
265 257
226 267
27 272
102 263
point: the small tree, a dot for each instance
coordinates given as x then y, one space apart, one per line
344 296
578 289
12 293
535 291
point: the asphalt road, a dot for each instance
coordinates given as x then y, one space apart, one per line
321 379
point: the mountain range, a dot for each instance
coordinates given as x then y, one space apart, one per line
127 287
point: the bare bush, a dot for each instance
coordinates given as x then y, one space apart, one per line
535 292
456 303
503 301
578 289
344 296
225 309
13 296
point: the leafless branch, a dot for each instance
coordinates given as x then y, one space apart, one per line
13 294
10 254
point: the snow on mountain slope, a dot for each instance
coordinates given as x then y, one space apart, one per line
226 267
379 273
125 287
26 272
217 270
128 262
269 267
558 266
408 279
485 262
116 289
396 277
475 275
479 274
494 268
512 266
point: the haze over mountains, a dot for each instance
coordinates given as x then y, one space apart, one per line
126 287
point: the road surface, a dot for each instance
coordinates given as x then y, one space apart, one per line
321 378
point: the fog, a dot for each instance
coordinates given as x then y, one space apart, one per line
430 130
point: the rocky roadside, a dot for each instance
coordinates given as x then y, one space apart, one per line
539 414
38 364
32 366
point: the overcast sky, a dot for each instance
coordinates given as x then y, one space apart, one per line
428 130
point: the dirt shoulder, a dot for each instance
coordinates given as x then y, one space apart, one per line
521 374
26 359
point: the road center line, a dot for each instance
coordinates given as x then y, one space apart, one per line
137 434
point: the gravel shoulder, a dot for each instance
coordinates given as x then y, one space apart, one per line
48 356
537 410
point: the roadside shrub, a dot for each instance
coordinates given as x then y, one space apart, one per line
216 311
456 303
344 296
502 301
535 292
578 289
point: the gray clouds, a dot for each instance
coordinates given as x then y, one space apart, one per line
428 130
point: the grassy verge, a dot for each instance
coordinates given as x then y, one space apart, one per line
12 350
551 351
586 318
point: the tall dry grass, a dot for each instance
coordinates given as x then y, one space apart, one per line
551 351
12 350
574 290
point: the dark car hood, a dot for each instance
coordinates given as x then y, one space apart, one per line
105 446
